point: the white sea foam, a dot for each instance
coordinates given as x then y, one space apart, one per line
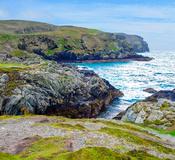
133 77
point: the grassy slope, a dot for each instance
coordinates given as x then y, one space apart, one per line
20 26
66 37
12 67
55 148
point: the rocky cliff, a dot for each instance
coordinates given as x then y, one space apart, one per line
52 89
67 43
157 111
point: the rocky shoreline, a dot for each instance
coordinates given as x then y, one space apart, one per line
156 111
98 57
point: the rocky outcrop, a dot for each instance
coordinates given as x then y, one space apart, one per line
150 90
36 43
137 43
157 110
54 89
68 56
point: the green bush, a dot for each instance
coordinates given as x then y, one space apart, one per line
165 106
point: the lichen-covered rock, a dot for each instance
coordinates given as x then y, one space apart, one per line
4 78
55 89
157 110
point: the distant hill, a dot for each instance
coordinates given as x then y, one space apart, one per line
67 43
21 27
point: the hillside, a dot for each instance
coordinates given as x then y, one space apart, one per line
67 43
22 27
58 138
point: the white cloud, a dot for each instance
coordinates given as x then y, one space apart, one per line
98 12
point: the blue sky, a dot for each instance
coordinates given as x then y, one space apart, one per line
152 19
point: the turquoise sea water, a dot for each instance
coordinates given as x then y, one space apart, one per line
133 77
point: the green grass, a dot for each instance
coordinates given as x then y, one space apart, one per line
90 153
63 126
128 126
7 37
165 106
93 31
172 133
141 155
45 148
8 40
68 126
95 153
101 153
163 131
11 67
155 122
112 47
6 156
66 44
18 53
6 117
49 52
132 138
61 43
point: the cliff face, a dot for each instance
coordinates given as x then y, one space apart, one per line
68 43
53 89
137 43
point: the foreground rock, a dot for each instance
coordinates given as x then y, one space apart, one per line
57 138
54 89
157 111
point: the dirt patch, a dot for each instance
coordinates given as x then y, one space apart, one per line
22 145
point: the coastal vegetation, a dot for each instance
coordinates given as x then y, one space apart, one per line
67 139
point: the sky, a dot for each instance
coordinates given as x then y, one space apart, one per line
152 19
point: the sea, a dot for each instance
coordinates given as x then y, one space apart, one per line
134 76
